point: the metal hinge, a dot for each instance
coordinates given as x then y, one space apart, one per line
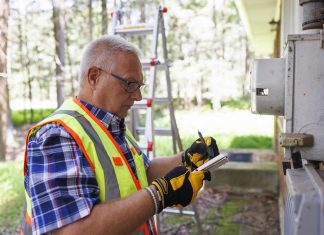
296 140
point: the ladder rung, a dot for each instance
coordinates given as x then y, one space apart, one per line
178 211
157 131
139 29
146 65
143 104
145 146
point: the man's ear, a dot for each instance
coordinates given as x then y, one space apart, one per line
93 76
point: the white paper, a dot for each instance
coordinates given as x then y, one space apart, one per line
217 161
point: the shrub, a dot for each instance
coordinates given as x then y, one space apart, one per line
251 142
22 117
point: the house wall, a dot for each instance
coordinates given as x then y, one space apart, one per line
291 21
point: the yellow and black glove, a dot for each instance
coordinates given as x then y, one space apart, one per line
200 152
179 187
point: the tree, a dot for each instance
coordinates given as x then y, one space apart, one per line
104 22
4 13
90 22
58 19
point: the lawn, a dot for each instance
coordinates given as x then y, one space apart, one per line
12 196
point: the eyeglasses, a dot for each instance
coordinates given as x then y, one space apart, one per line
130 86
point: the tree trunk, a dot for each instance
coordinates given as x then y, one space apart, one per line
27 64
223 31
90 22
4 13
22 61
58 19
104 22
69 62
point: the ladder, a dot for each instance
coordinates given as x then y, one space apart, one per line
149 131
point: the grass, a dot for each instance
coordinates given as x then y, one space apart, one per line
225 224
221 225
251 142
239 103
12 196
22 117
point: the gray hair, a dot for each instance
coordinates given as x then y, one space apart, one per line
101 53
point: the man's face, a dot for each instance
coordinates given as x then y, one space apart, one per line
110 93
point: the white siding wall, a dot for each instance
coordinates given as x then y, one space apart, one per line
291 20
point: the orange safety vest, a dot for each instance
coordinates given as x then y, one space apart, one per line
104 156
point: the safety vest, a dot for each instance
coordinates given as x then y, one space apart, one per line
113 173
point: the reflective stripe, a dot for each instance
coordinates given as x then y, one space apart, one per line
28 203
111 184
131 139
127 181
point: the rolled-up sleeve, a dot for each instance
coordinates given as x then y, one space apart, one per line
59 180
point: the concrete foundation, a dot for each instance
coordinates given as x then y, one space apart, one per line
241 177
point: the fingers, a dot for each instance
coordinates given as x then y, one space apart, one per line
208 140
207 175
200 152
179 187
212 147
196 179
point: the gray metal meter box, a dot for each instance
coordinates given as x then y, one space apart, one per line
304 92
267 86
294 87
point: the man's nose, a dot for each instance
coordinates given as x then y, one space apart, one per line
137 95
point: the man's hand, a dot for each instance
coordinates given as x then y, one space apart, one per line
200 152
179 187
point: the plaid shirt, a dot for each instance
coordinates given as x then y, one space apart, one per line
59 180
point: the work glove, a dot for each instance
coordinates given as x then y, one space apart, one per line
179 187
200 152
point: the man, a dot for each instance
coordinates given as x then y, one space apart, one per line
84 173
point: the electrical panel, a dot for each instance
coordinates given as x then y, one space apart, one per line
293 87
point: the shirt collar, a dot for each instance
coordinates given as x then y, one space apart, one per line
113 123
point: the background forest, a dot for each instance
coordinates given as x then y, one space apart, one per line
206 41
41 46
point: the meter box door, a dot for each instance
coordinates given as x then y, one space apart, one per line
268 86
304 92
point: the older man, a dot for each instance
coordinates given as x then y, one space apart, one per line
84 173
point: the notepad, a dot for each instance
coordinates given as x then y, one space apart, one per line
217 161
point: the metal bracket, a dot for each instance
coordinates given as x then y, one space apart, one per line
296 140
297 160
286 165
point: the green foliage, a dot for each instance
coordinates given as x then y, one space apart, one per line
11 197
193 4
22 117
240 103
251 142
